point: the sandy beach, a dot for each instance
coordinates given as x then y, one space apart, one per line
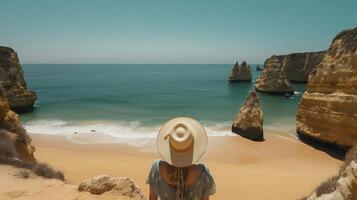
278 168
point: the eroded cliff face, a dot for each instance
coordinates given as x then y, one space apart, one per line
13 131
12 79
328 109
240 73
340 187
297 66
272 80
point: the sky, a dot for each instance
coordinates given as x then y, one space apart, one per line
166 31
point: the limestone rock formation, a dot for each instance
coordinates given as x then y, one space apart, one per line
344 185
12 79
249 120
123 186
328 109
240 73
13 185
297 66
11 128
272 80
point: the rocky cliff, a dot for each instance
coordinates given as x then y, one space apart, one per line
12 79
12 134
249 120
328 109
297 66
240 73
340 187
272 80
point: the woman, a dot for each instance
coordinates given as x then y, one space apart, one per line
181 143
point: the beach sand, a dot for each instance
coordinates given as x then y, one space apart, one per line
278 168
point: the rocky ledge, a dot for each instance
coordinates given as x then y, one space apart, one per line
240 73
272 80
249 120
340 187
297 66
12 79
328 109
14 141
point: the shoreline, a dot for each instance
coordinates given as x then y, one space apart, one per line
278 168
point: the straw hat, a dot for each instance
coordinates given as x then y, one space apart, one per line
182 141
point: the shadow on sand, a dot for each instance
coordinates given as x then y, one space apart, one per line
330 149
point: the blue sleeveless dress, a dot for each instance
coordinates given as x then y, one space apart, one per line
204 185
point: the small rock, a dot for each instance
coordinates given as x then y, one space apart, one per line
97 185
122 186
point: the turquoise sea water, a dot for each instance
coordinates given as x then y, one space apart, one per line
126 100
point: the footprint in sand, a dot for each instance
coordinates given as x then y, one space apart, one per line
15 194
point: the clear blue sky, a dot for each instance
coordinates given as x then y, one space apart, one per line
165 31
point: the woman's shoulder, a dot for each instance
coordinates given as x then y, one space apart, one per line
154 172
207 179
205 174
204 169
156 163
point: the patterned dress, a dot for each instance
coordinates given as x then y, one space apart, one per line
203 186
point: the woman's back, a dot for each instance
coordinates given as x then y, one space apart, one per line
199 182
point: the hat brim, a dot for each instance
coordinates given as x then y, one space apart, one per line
186 158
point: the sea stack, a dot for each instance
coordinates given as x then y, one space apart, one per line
272 80
249 120
240 73
328 109
12 79
298 66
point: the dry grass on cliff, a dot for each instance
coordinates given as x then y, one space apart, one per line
329 185
8 156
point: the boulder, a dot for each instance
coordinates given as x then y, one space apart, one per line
272 80
240 73
249 120
122 186
12 79
297 66
97 185
327 110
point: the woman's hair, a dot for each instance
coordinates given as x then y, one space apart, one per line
179 175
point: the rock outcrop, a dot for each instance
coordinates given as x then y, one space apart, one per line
14 133
12 79
272 80
122 186
297 66
340 187
13 185
328 109
249 120
240 73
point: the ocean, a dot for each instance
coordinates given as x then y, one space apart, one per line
133 100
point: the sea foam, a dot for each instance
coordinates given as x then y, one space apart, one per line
119 129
